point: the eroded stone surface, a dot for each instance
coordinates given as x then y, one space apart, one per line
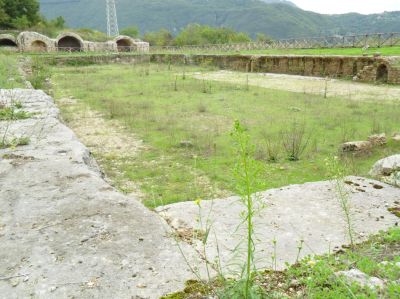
386 166
309 212
356 276
64 232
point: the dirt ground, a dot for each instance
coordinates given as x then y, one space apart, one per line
333 87
105 139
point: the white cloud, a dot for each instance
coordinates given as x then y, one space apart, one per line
344 6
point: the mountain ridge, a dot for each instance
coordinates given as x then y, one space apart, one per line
278 20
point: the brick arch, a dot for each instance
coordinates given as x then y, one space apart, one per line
382 73
39 46
125 44
69 42
7 40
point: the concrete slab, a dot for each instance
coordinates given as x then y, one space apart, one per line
309 212
66 233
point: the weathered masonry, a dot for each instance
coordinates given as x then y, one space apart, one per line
69 42
362 68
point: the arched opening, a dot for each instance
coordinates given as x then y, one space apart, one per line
39 46
5 42
355 69
382 73
124 45
69 43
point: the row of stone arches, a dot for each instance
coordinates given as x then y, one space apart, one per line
64 43
37 45
71 42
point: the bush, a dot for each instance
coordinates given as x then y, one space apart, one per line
40 73
295 141
195 34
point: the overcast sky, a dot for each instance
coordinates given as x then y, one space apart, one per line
343 6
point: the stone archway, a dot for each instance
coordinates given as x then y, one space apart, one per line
69 43
124 45
38 46
7 43
382 73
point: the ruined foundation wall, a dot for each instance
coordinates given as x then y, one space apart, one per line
362 68
29 41
98 59
34 42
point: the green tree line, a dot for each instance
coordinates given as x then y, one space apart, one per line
194 34
25 15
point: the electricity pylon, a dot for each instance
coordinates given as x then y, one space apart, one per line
112 21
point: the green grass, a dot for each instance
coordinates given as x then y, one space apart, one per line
314 277
14 142
385 51
9 76
144 99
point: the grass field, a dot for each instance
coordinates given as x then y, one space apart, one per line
185 124
9 76
385 51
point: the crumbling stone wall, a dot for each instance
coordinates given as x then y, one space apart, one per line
69 41
127 44
8 41
32 42
363 68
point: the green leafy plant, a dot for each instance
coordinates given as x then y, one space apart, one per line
295 140
21 141
337 173
40 73
246 172
10 113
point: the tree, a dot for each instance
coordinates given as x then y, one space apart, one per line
159 38
19 13
131 31
195 34
263 38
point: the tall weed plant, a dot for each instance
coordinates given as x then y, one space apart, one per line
337 172
246 172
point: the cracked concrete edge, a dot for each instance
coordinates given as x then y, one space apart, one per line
65 232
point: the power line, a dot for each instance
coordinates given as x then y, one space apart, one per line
112 21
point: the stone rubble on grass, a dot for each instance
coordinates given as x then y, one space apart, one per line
364 146
359 277
396 137
356 146
378 139
386 166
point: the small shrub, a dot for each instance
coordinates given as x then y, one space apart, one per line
9 113
40 73
14 142
295 141
272 147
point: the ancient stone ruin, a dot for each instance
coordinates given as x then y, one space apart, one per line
360 68
69 41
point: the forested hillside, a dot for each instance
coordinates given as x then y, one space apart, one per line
278 20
